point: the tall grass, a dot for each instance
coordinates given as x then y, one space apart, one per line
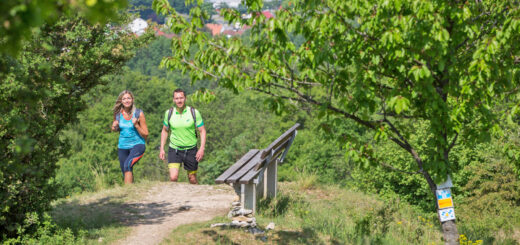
306 212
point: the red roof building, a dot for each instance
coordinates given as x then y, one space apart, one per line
267 14
215 29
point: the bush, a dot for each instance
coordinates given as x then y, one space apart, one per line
46 232
490 211
40 93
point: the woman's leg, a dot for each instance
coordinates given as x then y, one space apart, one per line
129 177
123 155
135 154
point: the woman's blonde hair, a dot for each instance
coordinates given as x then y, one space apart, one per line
119 103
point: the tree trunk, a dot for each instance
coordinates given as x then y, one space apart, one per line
450 233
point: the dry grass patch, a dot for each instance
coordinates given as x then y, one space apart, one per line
100 217
320 215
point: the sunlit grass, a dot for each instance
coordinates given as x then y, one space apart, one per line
96 217
321 215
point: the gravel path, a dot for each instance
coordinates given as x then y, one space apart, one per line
168 205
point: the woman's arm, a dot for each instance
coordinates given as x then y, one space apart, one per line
140 125
115 125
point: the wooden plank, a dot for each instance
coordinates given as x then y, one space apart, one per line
256 170
277 152
248 178
243 171
284 137
237 166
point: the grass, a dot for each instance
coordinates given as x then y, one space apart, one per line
96 218
321 215
304 212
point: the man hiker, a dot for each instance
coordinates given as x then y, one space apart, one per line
182 122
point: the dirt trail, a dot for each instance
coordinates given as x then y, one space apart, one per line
168 205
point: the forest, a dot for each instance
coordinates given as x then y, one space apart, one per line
390 117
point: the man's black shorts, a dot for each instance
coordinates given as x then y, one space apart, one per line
185 157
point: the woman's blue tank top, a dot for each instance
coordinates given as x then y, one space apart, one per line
128 135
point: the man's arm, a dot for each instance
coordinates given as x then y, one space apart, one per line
164 137
200 152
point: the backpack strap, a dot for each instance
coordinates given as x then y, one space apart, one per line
194 120
169 116
117 119
137 113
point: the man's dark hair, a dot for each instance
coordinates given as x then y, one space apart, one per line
179 90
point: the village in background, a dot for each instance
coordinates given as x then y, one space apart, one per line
216 24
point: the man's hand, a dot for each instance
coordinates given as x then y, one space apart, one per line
200 154
162 154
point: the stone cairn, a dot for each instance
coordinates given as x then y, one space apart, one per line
242 218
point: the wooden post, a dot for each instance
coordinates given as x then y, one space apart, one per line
272 178
242 195
260 185
264 185
250 196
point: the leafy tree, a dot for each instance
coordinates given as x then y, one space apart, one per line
208 8
40 93
381 64
19 17
147 59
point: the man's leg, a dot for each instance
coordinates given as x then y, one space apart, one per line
174 171
191 165
192 176
174 163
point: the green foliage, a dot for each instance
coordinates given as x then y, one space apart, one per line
422 75
47 232
144 7
490 209
147 61
41 92
19 19
314 153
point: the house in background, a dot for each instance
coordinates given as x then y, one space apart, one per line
138 26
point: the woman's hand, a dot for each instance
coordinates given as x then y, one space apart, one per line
115 125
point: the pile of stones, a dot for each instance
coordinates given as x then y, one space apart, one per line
241 218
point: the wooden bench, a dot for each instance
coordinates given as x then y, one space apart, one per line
255 173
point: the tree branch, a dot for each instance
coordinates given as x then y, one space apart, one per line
396 169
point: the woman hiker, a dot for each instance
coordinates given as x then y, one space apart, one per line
131 124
